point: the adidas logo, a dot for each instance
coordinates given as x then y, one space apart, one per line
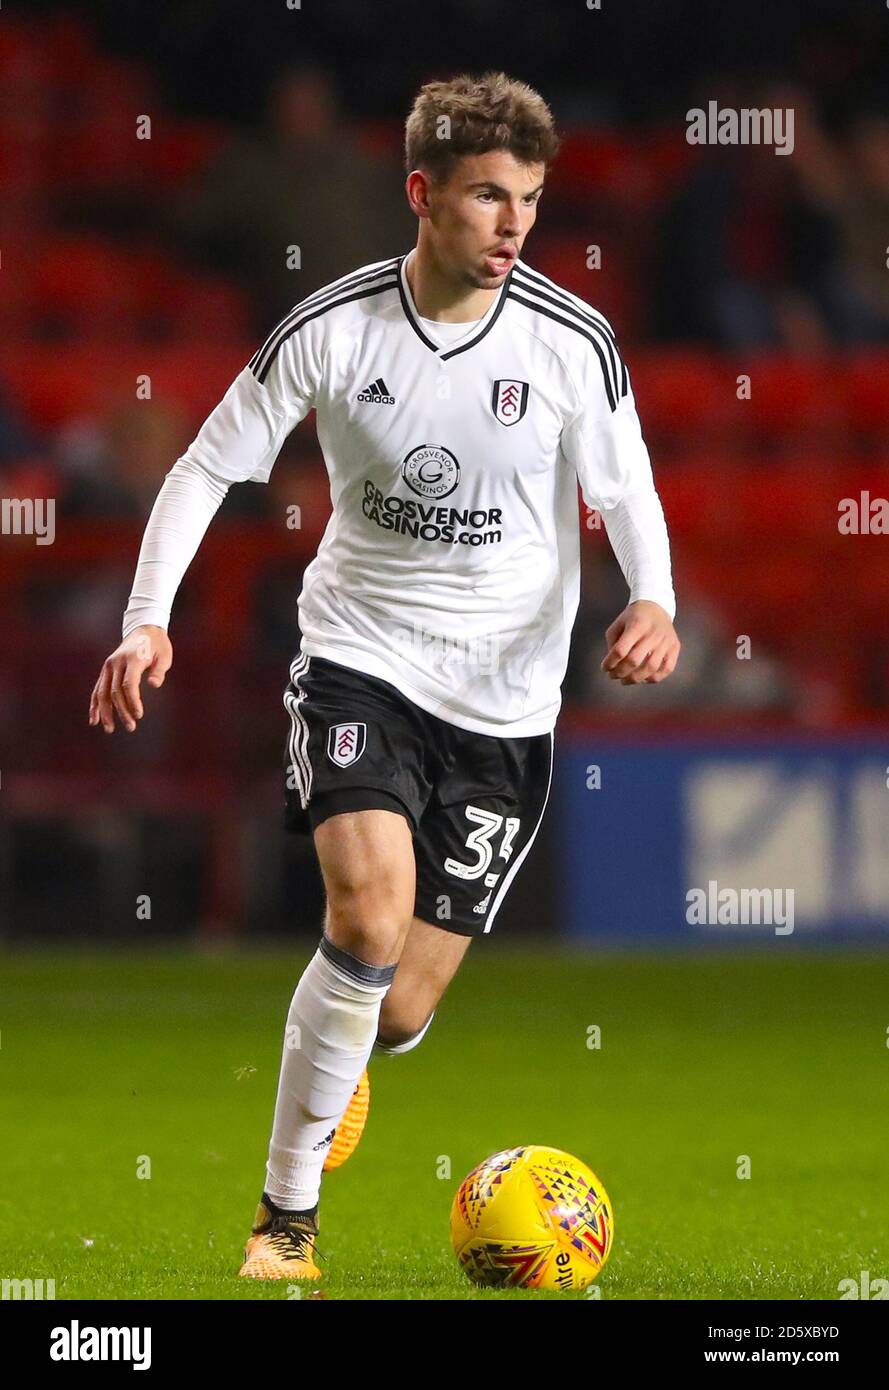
377 393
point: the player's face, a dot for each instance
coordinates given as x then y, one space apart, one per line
479 219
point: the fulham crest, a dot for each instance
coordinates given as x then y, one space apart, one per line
345 743
509 401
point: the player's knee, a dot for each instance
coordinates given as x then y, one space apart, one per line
375 937
359 892
367 918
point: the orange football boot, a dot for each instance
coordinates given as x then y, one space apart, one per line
351 1126
281 1246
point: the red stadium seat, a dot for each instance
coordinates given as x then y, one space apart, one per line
178 304
85 287
593 163
96 149
787 502
52 387
687 399
866 379
795 397
696 499
209 309
739 502
70 51
179 153
196 377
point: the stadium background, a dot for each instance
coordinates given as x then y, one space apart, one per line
162 257
126 258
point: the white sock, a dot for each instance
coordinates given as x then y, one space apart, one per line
331 1028
394 1049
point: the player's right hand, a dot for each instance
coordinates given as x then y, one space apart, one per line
147 648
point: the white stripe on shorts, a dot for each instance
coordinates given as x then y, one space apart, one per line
299 732
508 877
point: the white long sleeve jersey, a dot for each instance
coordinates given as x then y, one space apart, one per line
450 564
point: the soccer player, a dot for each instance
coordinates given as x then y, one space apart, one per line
460 396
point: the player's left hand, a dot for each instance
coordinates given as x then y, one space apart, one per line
642 645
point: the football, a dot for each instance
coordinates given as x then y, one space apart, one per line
534 1218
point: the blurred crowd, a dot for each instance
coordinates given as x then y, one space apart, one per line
758 250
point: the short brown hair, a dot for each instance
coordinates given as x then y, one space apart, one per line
491 112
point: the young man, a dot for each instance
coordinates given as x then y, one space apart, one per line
460 396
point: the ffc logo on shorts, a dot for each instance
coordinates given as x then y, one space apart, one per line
345 743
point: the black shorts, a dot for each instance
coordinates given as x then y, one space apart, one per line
474 802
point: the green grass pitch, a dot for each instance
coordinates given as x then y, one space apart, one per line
780 1054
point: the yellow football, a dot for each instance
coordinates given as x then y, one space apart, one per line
534 1218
